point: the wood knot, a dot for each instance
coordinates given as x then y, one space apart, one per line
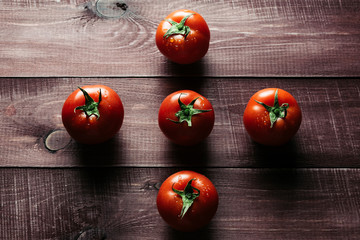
110 8
56 140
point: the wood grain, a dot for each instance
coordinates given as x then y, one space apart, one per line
249 38
120 203
54 188
31 121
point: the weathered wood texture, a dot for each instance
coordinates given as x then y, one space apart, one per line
249 38
120 203
54 188
328 137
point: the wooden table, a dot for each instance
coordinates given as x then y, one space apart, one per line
54 188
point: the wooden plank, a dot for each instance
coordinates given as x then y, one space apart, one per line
120 203
249 38
34 135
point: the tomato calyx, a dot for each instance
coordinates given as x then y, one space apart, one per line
91 107
178 28
187 111
276 111
188 196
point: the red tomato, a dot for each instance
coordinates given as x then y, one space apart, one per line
183 36
272 117
186 117
187 201
91 119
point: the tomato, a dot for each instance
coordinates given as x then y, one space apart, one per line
183 36
187 201
186 117
93 114
272 117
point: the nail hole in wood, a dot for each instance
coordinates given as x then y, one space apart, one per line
123 6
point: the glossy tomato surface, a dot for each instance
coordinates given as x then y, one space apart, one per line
170 204
181 133
92 129
257 118
179 47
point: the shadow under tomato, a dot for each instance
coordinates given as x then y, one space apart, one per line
193 69
183 83
279 179
190 156
203 233
285 156
96 164
278 168
98 155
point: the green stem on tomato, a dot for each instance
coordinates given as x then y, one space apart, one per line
91 107
178 28
188 196
276 111
187 111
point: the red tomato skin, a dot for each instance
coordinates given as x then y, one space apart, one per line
201 212
176 47
257 121
181 133
90 130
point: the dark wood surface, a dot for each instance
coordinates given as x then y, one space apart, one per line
119 203
54 188
328 136
248 38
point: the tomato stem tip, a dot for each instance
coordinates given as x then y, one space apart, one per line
178 28
188 196
91 107
276 111
187 111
